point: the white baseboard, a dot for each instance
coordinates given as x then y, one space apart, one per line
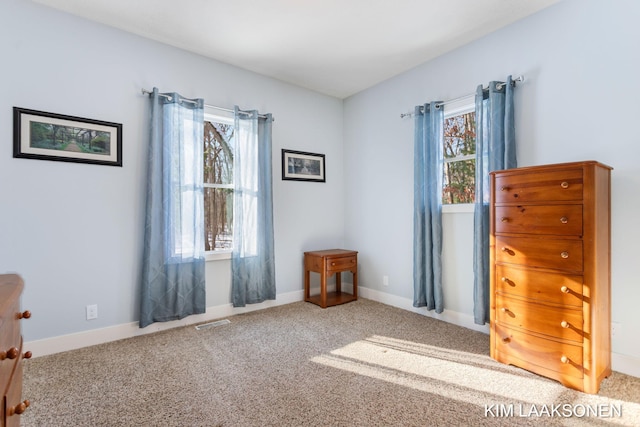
625 364
460 319
622 363
128 330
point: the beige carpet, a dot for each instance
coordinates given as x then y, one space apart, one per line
359 364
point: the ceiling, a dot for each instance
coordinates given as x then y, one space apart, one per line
335 47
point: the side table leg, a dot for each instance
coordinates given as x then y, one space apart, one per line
307 292
323 289
355 283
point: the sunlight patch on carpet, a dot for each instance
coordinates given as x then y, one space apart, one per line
450 373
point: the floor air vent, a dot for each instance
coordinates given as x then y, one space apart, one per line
213 324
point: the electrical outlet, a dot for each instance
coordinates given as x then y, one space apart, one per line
92 312
615 328
385 280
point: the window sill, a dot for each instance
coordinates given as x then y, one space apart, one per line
459 208
217 256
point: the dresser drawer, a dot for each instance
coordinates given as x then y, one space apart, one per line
8 358
559 185
6 367
546 253
558 356
14 405
539 219
10 326
565 323
555 288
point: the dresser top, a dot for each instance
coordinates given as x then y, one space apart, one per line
570 165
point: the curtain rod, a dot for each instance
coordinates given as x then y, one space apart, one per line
148 92
498 86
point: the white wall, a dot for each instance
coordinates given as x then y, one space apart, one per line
74 231
579 102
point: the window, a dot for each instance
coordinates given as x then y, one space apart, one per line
459 151
218 183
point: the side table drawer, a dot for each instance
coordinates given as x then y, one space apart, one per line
341 264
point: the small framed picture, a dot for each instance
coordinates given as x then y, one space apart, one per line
301 166
50 136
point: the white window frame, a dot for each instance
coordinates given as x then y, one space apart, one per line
222 254
460 106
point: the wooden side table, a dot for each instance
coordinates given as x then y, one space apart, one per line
327 263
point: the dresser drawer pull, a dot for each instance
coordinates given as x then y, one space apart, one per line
504 219
508 281
508 250
504 309
564 220
564 359
565 290
504 188
565 324
564 184
564 254
27 355
10 354
19 408
506 340
24 315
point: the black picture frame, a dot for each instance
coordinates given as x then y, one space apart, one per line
50 136
303 166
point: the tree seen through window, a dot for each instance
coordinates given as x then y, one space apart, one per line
458 183
218 183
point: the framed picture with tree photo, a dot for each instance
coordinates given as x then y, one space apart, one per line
302 166
50 136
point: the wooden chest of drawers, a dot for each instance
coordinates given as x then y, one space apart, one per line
550 278
11 355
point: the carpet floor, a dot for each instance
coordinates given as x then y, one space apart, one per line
358 364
